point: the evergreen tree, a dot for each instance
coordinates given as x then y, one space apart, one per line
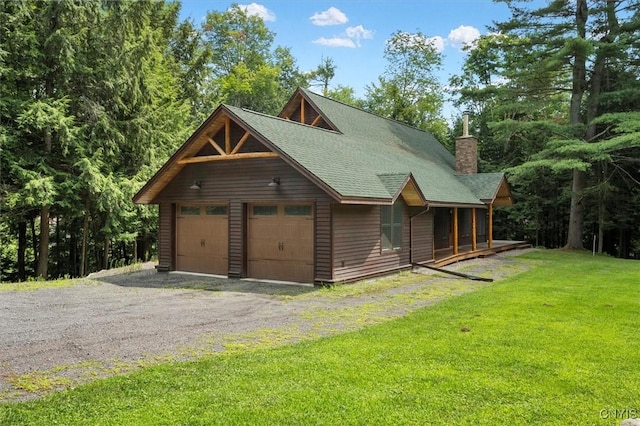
547 71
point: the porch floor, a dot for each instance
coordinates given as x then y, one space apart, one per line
445 256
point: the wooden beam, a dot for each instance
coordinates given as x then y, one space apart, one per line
474 242
490 232
315 120
227 135
455 230
216 146
302 110
241 142
241 156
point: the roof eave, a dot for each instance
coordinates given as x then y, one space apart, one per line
143 196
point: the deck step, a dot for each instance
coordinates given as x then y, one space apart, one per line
487 254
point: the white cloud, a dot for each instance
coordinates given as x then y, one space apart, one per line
437 42
335 42
462 36
255 9
359 33
331 16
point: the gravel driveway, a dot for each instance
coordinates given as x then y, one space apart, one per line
58 337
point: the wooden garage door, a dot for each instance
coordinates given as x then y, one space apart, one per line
202 239
280 242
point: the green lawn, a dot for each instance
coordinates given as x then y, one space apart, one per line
558 344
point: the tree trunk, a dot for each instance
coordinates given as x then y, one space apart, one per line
22 250
43 248
576 212
72 269
34 243
83 252
601 228
58 248
106 253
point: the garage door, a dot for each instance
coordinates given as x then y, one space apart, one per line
280 242
202 239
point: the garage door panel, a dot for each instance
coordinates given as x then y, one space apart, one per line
280 245
203 264
281 270
202 242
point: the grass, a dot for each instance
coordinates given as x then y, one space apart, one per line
555 345
39 284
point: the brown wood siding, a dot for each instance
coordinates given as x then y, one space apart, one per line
236 182
422 229
323 267
236 239
356 243
165 237
240 180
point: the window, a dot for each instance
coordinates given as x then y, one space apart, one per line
216 210
190 210
265 210
296 210
391 226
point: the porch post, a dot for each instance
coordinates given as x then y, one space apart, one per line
473 230
455 230
490 236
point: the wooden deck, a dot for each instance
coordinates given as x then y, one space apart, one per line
445 256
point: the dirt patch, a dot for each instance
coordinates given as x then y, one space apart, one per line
110 323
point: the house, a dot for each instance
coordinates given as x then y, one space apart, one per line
324 192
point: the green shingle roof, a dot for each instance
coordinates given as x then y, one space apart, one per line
483 185
369 156
393 182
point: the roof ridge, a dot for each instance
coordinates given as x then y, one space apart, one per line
368 112
284 120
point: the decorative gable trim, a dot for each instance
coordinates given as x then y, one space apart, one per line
302 109
502 197
220 138
403 184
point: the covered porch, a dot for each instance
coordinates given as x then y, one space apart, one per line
446 256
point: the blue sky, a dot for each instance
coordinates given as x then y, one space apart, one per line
353 32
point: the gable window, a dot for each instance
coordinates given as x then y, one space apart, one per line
391 226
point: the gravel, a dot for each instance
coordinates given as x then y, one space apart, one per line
58 337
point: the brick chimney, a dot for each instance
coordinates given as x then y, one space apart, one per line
466 150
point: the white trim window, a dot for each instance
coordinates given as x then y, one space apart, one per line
391 226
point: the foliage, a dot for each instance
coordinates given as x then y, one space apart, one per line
527 349
345 94
409 90
90 106
323 74
246 70
546 88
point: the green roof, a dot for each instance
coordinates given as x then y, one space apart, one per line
393 182
369 156
483 185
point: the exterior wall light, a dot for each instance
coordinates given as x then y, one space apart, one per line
196 185
274 182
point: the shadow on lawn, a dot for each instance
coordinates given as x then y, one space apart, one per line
152 279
